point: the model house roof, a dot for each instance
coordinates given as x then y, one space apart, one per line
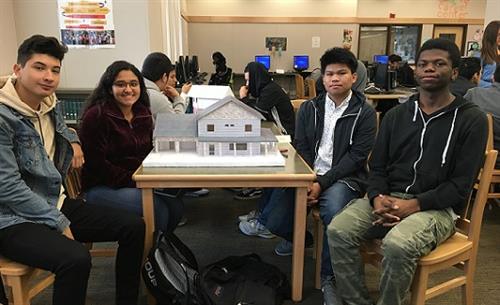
225 101
185 126
176 125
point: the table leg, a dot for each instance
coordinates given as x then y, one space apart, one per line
149 218
299 233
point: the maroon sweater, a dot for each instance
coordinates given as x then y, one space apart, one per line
113 148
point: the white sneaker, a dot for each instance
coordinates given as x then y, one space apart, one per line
253 214
255 228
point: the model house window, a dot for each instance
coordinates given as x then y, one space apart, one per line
248 127
210 127
241 146
211 149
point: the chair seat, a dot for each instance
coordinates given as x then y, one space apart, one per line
452 247
10 267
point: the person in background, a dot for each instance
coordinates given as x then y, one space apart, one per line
404 73
160 80
334 135
426 158
488 99
116 133
490 53
272 101
39 225
223 75
469 73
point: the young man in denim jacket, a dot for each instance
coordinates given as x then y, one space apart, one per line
39 225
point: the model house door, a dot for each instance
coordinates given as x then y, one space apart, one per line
454 33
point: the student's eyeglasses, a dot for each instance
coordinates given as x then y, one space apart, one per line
123 85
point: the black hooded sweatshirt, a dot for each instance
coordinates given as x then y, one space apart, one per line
353 140
270 95
434 157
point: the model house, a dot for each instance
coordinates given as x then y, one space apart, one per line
228 128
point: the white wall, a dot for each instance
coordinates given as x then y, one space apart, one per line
8 40
241 42
274 8
82 68
492 11
422 8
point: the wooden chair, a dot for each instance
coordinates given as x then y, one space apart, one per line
495 179
311 85
460 250
23 282
299 86
318 235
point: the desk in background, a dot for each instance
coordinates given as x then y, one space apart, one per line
296 173
401 94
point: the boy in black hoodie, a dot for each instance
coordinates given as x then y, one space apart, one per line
423 165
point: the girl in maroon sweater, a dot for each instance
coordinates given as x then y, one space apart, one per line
116 135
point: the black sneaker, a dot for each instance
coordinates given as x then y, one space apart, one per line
248 194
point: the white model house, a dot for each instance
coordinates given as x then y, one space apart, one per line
227 133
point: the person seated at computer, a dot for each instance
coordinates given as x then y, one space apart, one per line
272 101
160 80
223 75
116 135
469 72
404 73
270 98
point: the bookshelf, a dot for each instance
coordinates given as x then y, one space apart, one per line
72 103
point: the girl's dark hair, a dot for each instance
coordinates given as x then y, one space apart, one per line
489 49
103 93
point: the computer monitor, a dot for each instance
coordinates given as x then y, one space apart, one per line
264 59
384 78
380 78
301 62
193 67
381 59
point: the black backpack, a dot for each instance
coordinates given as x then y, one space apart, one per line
242 280
170 272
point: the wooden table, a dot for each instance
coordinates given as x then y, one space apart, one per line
296 173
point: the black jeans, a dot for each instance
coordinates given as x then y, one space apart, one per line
45 248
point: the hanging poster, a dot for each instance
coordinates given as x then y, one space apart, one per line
86 24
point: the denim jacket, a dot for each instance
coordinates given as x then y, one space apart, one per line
30 182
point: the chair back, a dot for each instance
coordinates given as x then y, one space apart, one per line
471 219
73 183
489 143
299 86
311 85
